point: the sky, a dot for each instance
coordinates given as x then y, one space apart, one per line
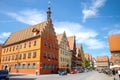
91 21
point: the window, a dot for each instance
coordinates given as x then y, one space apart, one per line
13 48
17 47
28 66
116 54
21 46
19 65
10 49
4 50
7 50
29 54
48 55
45 54
61 59
29 44
34 54
34 65
46 65
24 45
52 56
43 65
3 59
24 55
35 43
44 43
8 58
12 57
23 66
52 46
117 61
49 45
16 56
15 66
20 56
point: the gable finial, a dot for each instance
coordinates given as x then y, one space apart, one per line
49 12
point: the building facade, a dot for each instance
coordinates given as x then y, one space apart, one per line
64 52
72 45
80 56
102 62
94 63
32 50
114 45
0 54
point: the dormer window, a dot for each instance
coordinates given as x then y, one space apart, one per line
35 31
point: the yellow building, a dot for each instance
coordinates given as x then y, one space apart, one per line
64 52
0 54
33 49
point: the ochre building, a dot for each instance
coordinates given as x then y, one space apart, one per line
0 54
32 50
114 45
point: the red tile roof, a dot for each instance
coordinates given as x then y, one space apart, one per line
102 58
71 42
25 33
59 36
114 42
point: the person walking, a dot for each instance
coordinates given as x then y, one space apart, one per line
36 71
113 72
119 73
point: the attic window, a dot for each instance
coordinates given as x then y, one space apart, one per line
35 31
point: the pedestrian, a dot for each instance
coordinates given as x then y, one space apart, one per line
109 73
113 72
36 71
119 73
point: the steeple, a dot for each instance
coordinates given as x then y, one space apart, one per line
48 12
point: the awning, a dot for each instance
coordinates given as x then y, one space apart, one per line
115 66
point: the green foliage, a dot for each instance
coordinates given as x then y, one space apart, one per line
87 63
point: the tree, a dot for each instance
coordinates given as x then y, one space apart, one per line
87 63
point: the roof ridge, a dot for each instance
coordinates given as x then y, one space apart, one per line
30 26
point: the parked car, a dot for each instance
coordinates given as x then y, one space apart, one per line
4 75
62 72
73 71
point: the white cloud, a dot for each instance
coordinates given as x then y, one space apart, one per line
114 31
3 36
30 16
94 43
91 9
83 35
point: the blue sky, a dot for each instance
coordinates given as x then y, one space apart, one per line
91 21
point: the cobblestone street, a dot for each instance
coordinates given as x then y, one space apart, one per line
93 75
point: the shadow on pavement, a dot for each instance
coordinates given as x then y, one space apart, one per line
16 74
22 79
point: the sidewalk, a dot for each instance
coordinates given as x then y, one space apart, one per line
116 77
